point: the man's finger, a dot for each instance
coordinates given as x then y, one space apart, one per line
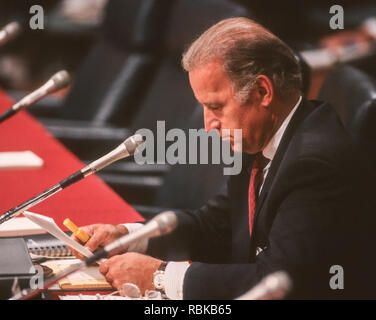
96 240
90 230
75 253
110 279
104 267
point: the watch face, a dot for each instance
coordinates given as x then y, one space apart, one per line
158 280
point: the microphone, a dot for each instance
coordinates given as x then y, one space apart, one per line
58 81
162 224
126 149
9 32
273 287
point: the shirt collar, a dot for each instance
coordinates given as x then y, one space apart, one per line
271 148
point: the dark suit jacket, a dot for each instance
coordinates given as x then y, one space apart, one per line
316 209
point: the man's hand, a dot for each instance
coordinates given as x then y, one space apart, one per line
100 236
130 267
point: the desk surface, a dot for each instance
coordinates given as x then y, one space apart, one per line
88 201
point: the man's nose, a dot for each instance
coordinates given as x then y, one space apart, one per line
211 125
210 122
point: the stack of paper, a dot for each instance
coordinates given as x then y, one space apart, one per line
19 226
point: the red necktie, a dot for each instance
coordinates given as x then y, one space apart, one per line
255 181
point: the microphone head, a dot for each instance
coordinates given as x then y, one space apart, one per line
275 286
125 149
61 79
278 283
132 143
12 30
167 221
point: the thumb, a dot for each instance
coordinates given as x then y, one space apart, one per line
94 242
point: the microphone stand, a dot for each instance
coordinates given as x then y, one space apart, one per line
58 81
127 148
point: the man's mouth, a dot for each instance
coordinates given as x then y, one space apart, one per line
226 138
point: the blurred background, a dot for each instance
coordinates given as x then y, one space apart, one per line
124 58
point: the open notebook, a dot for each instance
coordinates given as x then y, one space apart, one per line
51 227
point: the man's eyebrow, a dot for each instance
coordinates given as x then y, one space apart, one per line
211 104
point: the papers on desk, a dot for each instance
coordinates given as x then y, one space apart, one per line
49 225
19 160
88 278
19 226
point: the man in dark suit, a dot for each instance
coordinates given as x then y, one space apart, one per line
302 203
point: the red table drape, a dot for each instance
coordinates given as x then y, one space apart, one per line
86 202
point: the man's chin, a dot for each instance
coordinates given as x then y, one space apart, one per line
236 146
250 149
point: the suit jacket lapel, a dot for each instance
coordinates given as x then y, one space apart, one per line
300 114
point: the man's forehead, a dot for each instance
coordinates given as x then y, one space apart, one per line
207 80
210 69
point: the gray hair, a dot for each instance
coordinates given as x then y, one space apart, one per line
246 50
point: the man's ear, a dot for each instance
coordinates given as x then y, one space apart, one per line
265 90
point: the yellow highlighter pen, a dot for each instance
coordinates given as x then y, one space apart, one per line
79 233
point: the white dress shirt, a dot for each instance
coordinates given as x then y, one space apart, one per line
175 271
271 148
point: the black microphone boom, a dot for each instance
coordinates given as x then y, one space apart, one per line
126 149
9 32
58 81
162 224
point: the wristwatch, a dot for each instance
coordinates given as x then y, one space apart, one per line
158 277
